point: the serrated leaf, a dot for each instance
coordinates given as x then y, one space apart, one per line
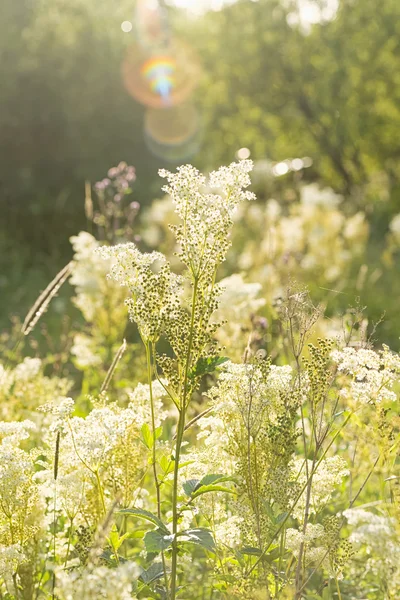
156 541
200 536
145 514
207 365
158 432
190 486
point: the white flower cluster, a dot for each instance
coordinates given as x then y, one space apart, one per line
20 509
22 388
85 351
105 442
238 302
100 300
62 409
244 392
10 558
326 478
206 218
372 374
15 431
151 283
312 540
88 274
140 402
313 237
376 538
97 582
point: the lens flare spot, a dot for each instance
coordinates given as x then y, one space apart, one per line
126 26
243 154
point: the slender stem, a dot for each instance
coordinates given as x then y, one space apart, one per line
14 577
179 438
153 460
338 589
69 542
103 503
100 488
54 539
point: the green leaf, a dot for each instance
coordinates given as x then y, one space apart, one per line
207 365
144 514
213 478
156 541
145 593
167 464
196 487
190 486
158 432
147 436
200 536
154 572
251 551
115 539
205 489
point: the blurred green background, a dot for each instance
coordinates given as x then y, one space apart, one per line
283 78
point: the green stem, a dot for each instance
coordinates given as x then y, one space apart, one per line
179 438
153 460
103 503
338 589
69 542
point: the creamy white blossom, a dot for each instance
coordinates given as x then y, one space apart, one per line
372 374
97 582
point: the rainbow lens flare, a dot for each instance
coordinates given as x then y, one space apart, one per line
166 78
160 73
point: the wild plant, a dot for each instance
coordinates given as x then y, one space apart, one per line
226 473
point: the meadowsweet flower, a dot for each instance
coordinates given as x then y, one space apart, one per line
22 388
139 403
294 539
10 558
14 432
206 218
152 286
61 409
97 582
372 374
326 478
238 303
19 506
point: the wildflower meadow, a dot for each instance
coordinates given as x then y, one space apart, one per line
201 453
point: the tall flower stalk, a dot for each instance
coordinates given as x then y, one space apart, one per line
159 306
